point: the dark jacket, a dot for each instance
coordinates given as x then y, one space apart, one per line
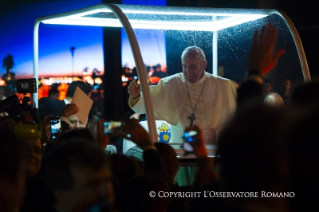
48 106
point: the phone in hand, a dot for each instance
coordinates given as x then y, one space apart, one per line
113 128
190 137
55 127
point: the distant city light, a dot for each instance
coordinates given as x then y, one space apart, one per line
2 82
68 80
124 79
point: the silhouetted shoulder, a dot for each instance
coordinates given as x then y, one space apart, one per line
48 106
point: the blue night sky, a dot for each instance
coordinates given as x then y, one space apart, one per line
55 41
151 42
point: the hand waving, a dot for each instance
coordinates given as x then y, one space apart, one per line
134 89
199 146
262 57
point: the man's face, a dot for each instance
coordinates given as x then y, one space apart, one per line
34 156
89 186
287 85
267 88
75 123
193 66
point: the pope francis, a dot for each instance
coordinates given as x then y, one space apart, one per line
191 97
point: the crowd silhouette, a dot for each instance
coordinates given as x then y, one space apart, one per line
266 158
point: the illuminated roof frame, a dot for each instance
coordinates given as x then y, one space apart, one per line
236 17
231 20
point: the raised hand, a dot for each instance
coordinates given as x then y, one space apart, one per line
136 133
69 110
199 145
262 57
102 139
46 130
134 89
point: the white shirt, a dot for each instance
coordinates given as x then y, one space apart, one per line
171 103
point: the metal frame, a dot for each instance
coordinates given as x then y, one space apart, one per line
139 60
298 43
215 51
136 54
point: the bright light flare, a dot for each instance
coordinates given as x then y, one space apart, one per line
232 20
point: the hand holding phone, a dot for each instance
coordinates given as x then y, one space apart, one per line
194 142
55 127
113 128
190 139
136 133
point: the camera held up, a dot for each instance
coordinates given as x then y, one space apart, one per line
14 108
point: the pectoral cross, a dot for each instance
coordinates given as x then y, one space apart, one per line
191 118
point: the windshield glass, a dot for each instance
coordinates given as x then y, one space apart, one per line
225 36
169 30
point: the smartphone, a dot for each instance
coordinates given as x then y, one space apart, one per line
189 137
55 127
113 127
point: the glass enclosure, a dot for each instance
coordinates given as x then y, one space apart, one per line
225 35
233 31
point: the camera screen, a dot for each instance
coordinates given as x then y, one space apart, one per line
112 126
55 128
26 85
190 136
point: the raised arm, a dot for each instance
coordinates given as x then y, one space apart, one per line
153 162
134 90
262 59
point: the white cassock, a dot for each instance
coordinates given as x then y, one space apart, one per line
171 103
